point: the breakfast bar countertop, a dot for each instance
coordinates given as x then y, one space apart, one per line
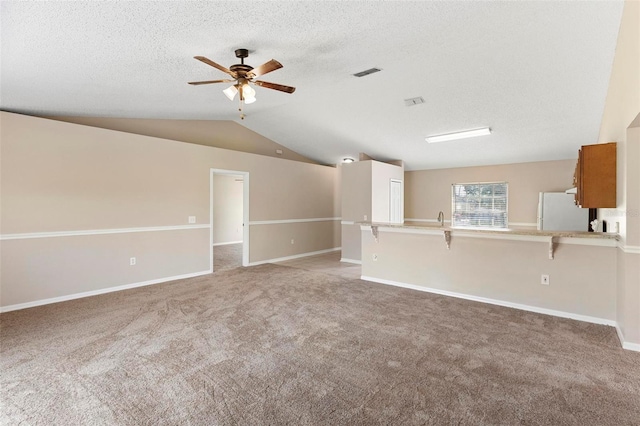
430 226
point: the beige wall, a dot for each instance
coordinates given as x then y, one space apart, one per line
64 177
621 123
621 108
429 191
218 133
351 245
45 268
61 177
290 190
365 197
307 238
227 208
623 97
632 187
356 191
628 296
502 270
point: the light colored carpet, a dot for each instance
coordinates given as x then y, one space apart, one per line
227 257
277 345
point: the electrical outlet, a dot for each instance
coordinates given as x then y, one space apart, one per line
192 219
375 257
365 217
293 241
132 261
544 279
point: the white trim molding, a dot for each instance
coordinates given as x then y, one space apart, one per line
227 244
628 249
523 224
553 312
276 222
345 260
295 256
29 235
626 345
347 222
74 296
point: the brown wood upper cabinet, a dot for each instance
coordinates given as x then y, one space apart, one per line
595 176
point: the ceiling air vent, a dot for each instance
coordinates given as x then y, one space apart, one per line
414 101
367 72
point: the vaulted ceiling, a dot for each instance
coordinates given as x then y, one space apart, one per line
535 72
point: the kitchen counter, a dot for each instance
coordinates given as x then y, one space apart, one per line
552 238
434 227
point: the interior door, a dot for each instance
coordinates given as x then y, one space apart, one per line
396 201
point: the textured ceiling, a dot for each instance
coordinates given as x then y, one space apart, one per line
535 72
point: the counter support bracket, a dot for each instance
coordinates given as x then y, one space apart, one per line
374 232
447 239
553 243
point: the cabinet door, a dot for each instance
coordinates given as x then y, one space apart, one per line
577 181
597 177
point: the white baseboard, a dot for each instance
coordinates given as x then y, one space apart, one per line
631 346
295 256
345 260
97 292
227 244
562 314
626 345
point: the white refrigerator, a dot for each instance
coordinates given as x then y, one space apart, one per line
558 212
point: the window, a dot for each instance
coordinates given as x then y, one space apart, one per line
479 205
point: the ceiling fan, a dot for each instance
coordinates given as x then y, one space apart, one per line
243 75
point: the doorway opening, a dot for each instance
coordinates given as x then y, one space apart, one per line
229 219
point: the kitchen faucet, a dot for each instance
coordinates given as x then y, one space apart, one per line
441 218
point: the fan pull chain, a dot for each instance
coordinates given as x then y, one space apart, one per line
240 108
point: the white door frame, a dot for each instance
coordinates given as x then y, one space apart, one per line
245 212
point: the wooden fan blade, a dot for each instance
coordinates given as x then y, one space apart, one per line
213 64
274 86
272 65
195 83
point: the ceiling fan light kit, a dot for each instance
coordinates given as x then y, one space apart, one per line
244 75
484 131
230 92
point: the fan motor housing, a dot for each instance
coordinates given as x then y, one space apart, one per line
240 68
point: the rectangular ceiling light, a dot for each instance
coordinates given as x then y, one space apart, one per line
459 135
367 72
414 101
